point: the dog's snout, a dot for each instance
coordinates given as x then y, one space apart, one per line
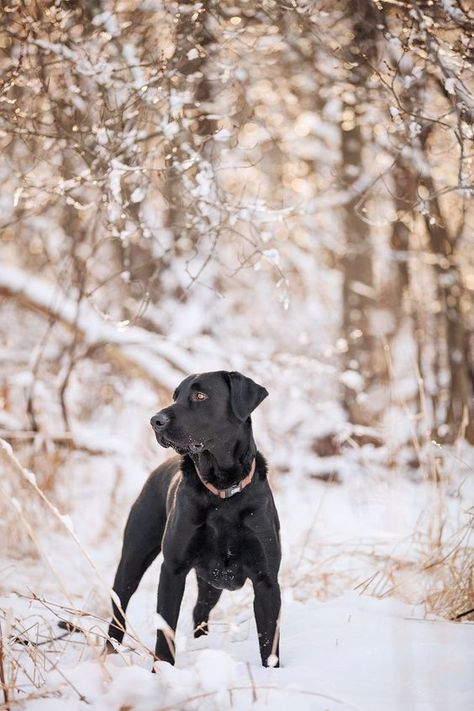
159 421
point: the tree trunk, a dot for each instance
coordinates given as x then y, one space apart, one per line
399 295
459 414
358 285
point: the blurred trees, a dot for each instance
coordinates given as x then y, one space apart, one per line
431 83
149 148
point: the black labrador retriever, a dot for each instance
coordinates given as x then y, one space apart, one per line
210 509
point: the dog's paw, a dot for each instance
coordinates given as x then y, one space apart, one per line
273 662
201 629
109 648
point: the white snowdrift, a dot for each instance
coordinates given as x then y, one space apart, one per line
351 653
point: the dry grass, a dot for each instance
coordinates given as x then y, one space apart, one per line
431 567
32 647
450 589
439 578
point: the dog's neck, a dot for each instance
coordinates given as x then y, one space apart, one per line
228 462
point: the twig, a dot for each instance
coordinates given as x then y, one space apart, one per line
463 614
254 691
3 682
65 439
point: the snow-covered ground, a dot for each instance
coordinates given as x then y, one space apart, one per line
350 653
343 544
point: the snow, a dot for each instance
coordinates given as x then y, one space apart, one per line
450 85
350 653
138 194
115 175
340 647
352 379
451 8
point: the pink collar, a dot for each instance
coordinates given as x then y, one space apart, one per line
231 490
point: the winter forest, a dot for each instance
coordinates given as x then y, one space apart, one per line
281 188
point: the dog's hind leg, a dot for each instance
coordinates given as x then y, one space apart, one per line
208 597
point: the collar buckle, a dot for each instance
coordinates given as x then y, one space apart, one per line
235 489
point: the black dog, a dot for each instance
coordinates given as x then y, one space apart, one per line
210 509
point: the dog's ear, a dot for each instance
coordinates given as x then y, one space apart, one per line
245 395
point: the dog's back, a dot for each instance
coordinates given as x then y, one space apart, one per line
156 490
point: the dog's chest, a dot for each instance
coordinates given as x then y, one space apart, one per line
221 557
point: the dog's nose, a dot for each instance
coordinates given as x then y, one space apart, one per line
159 421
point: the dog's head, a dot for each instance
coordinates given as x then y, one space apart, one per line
207 410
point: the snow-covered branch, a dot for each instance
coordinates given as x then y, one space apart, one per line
159 361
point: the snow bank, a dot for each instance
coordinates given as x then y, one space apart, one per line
351 653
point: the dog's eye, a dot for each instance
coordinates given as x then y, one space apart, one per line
198 396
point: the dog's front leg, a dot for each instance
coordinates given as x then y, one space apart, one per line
170 594
266 606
